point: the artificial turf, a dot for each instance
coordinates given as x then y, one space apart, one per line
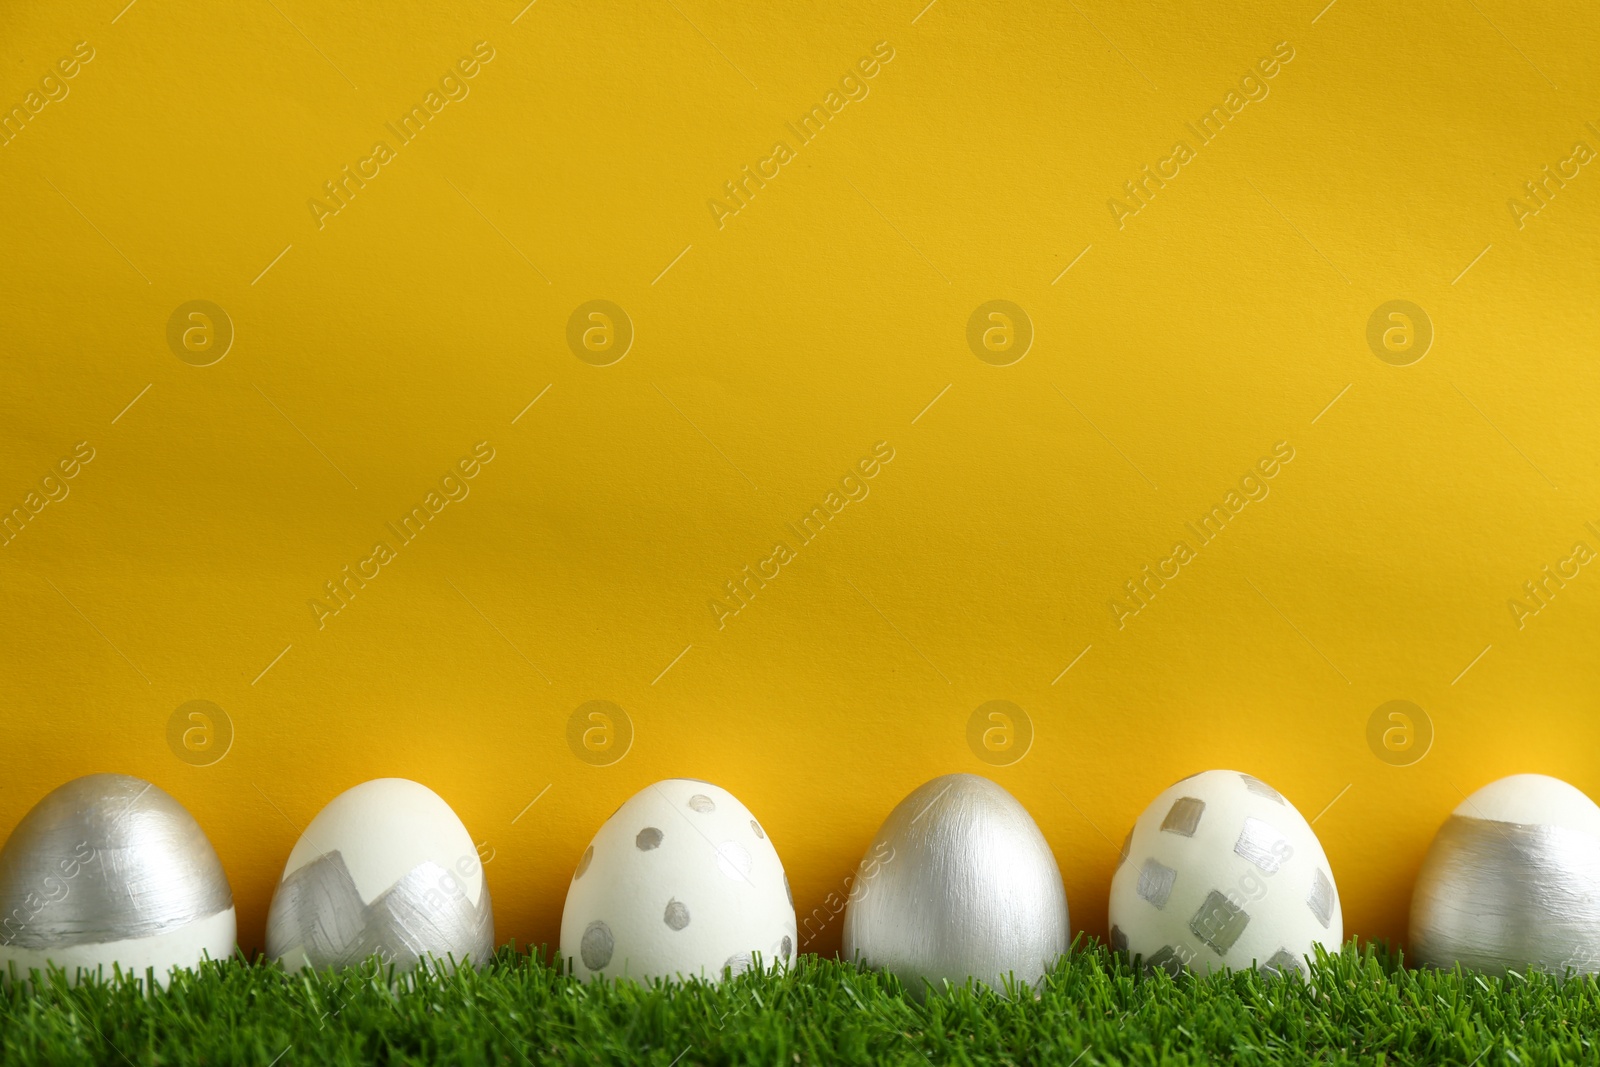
1096 1008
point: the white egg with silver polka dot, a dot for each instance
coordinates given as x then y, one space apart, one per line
1222 872
681 882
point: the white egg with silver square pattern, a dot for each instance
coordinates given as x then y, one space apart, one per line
681 881
1222 872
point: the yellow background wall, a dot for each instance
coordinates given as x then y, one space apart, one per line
375 346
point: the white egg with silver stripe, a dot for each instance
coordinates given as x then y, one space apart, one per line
1512 881
388 872
110 870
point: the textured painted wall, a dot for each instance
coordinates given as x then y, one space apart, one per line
308 413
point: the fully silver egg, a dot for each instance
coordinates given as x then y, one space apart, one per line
959 883
1512 882
110 870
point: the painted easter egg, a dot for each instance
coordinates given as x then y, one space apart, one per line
958 883
681 881
1512 881
110 870
1222 872
385 871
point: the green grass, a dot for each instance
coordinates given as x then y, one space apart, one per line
1094 1009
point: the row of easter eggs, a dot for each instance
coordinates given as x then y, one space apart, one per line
1219 871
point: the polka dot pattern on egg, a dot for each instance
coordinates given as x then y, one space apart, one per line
682 881
597 946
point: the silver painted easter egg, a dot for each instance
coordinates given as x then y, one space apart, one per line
681 881
1512 881
1222 872
386 870
958 883
108 870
